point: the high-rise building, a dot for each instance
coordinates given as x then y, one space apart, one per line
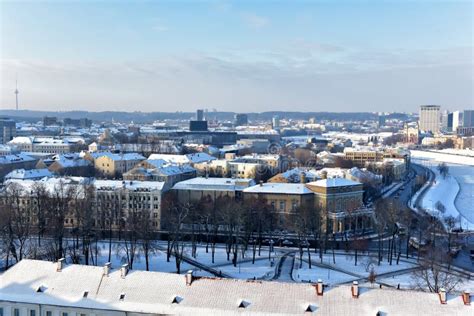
457 120
276 121
199 125
444 120
199 115
468 118
430 118
7 130
449 123
381 121
241 119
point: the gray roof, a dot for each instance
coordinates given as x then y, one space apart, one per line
154 292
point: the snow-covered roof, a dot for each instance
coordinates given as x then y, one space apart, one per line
334 182
10 159
118 157
23 174
129 185
183 159
22 140
71 160
214 184
156 293
279 188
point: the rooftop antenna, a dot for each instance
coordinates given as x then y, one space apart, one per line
16 92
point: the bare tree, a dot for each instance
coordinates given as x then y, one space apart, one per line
433 275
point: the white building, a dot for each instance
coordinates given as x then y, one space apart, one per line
430 118
41 288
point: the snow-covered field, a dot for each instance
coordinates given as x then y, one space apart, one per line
345 270
443 157
158 261
328 276
456 191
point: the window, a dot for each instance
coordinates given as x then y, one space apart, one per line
122 296
64 314
1 311
282 205
49 313
32 312
16 312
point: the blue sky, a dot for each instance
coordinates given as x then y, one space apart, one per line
244 56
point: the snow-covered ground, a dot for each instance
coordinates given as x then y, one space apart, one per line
247 270
462 152
348 271
443 157
328 276
408 281
158 261
455 192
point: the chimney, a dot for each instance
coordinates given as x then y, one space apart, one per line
442 296
466 297
355 289
124 270
303 177
261 183
60 265
319 288
189 277
107 269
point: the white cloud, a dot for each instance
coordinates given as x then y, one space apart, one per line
249 81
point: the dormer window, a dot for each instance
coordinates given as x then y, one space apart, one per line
41 289
311 308
86 293
244 304
122 297
177 300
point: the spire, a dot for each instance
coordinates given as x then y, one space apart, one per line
16 93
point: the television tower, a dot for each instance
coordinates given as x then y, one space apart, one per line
16 93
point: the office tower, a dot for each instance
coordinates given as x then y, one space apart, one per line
199 125
449 124
7 130
199 115
276 121
381 121
468 118
457 120
241 119
444 120
430 118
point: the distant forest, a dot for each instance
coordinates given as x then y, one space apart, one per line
148 117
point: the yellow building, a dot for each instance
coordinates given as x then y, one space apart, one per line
341 203
113 165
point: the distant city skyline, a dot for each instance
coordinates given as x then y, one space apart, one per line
241 56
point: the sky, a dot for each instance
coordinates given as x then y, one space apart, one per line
241 56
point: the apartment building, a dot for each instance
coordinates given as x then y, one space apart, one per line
112 165
193 190
112 200
160 170
115 199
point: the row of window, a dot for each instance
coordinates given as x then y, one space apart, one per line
32 312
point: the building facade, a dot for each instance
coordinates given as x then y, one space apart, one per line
430 118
